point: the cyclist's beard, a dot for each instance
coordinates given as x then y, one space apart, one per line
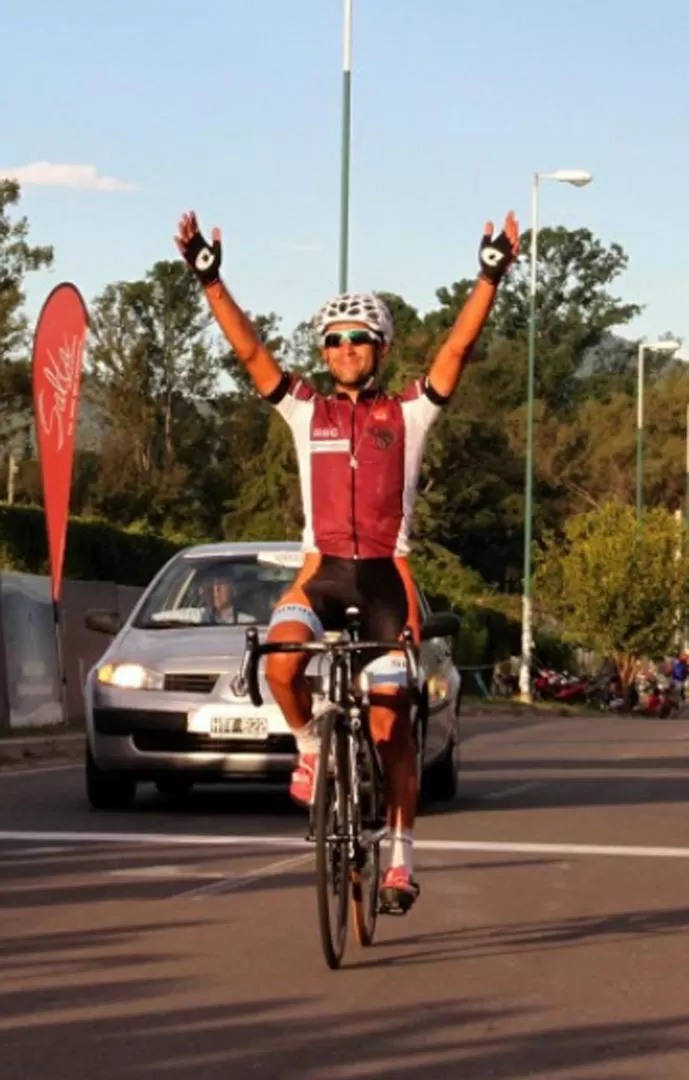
366 379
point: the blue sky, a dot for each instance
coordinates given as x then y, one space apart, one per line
234 109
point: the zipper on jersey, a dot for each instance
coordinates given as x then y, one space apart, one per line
352 473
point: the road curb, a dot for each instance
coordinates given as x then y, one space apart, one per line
21 749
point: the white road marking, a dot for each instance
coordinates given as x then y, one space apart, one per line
10 772
51 849
262 841
164 872
172 839
29 856
231 882
615 850
508 792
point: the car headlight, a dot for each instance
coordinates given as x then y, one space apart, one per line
128 676
438 688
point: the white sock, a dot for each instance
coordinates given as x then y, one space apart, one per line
402 849
308 739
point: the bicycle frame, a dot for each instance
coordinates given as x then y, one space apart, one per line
348 689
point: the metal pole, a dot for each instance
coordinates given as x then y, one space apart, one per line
61 669
527 610
640 436
346 125
685 545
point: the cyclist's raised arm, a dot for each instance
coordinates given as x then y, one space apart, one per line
495 256
204 260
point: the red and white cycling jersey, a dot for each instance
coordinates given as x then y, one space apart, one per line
359 464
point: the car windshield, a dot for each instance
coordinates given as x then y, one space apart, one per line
218 590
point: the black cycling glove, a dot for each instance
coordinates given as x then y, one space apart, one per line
204 258
495 255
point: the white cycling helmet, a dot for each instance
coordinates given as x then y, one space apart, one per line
365 308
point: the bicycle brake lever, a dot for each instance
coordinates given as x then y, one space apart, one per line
246 681
412 666
252 667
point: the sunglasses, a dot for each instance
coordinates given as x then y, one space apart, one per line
335 338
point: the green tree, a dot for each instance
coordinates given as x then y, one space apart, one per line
17 258
613 587
151 375
268 503
16 405
576 310
173 322
589 457
302 356
586 459
268 329
470 493
150 351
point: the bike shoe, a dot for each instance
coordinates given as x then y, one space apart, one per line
398 891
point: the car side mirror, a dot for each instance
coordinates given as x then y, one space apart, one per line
440 624
103 622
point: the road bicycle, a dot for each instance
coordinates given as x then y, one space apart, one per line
347 821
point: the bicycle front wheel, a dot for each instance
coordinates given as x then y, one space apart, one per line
366 872
332 839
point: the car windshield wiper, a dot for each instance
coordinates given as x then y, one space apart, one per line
181 617
170 623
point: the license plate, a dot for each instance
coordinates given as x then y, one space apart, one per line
239 727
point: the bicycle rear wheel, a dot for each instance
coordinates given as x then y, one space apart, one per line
331 835
366 873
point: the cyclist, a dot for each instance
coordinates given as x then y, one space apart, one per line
359 451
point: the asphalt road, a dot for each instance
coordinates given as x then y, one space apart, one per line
550 939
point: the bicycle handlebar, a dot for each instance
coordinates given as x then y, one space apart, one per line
246 681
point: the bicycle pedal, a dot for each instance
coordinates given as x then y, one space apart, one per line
385 909
396 905
391 904
393 908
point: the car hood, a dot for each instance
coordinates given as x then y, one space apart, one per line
189 648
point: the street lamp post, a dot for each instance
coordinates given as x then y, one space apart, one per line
579 178
685 626
669 347
346 128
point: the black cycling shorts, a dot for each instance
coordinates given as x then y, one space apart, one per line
382 589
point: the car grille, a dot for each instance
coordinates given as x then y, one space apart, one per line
126 721
191 682
165 733
189 742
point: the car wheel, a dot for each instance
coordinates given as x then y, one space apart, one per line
419 743
108 790
441 780
174 788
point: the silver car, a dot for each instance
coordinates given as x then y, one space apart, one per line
159 703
